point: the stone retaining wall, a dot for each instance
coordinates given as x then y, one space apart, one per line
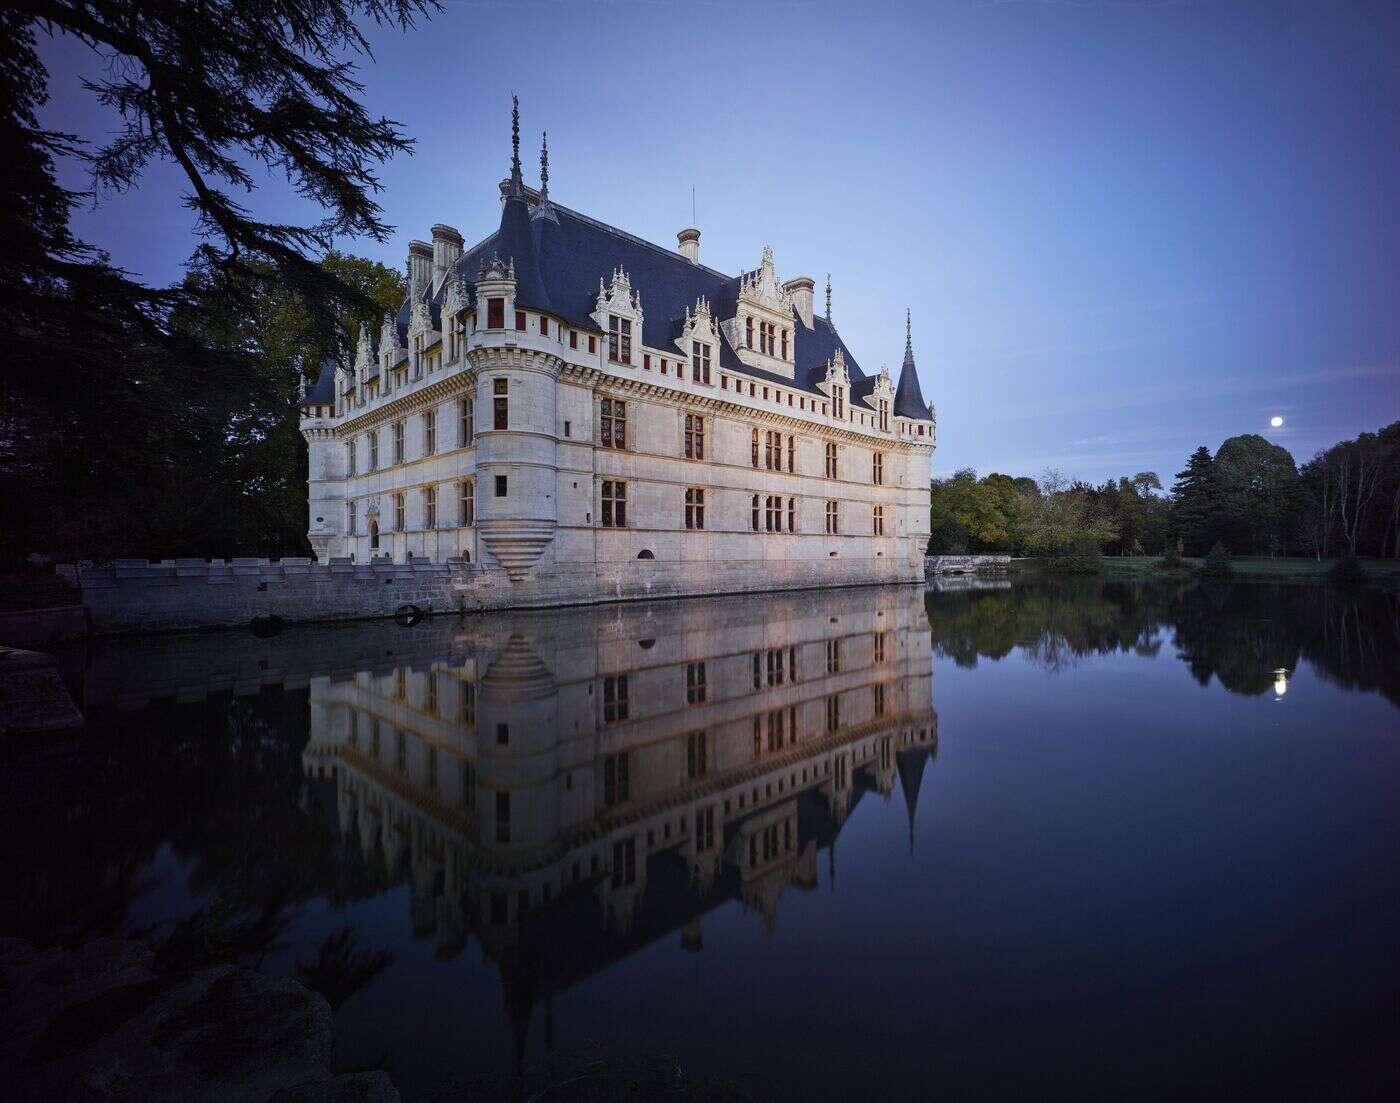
135 595
935 565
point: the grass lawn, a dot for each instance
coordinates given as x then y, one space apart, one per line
1260 566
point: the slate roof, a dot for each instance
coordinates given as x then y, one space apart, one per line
908 398
323 390
558 265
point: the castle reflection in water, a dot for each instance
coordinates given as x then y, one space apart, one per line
569 785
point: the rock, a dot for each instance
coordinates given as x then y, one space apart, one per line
353 1087
33 697
96 1023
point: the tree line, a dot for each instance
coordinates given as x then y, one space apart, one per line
1250 497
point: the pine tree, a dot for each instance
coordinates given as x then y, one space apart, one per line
1195 501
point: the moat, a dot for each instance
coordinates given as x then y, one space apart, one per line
1076 840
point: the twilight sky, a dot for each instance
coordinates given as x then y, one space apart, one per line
1125 228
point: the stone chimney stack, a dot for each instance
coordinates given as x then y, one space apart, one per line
688 244
801 291
420 265
447 247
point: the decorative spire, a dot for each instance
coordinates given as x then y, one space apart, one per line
828 301
544 165
517 182
908 335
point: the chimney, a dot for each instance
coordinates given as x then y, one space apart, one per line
420 264
688 244
447 247
801 291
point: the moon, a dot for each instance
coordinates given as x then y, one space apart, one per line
1276 422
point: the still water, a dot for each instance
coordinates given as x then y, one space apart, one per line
1072 841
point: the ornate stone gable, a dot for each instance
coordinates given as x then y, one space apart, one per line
457 299
617 297
836 373
389 346
699 325
763 303
365 364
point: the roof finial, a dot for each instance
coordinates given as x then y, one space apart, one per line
517 182
830 324
544 165
908 333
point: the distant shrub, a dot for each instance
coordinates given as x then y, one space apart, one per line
1171 558
1346 571
1218 564
1081 557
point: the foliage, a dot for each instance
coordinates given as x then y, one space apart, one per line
1256 484
117 429
1218 564
1347 571
1194 501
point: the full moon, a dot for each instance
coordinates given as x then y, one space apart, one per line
1276 422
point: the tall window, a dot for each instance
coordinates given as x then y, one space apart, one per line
883 406
624 870
500 401
877 469
619 339
612 422
754 456
520 320
694 508
766 332
697 758
833 518
466 502
350 518
833 713
694 437
429 432
833 656
399 513
880 700
398 442
374 449
773 450
773 514
754 508
615 698
350 458
694 683
495 314
831 461
748 333
792 453
501 488
617 782
374 535
879 647
838 402
614 504
785 344
705 829
699 362
877 521
459 334
792 515
430 507
466 415
466 707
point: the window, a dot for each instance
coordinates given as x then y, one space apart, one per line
766 331
374 450
880 700
833 656
705 829
592 342
785 347
573 338
773 450
431 706
350 518
495 314
350 458
624 870
792 515
430 507
520 320
429 432
500 391
614 504
466 415
694 683
773 514
694 437
466 713
615 698
503 817
697 761
374 535
877 521
619 339
831 461
883 406
503 735
612 423
617 784
694 508
500 486
646 362
399 524
833 713
879 647
754 456
833 518
544 326
466 502
792 452
699 362
838 401
754 506
877 469
398 442
459 335
748 333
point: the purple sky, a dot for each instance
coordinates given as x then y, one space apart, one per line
1125 228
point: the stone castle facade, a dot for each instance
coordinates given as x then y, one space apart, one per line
569 413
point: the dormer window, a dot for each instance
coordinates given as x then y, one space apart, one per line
838 402
699 362
619 339
495 314
884 407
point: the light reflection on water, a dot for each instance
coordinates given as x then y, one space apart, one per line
834 843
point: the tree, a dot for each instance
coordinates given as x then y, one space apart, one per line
119 410
1061 520
1256 484
1194 501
